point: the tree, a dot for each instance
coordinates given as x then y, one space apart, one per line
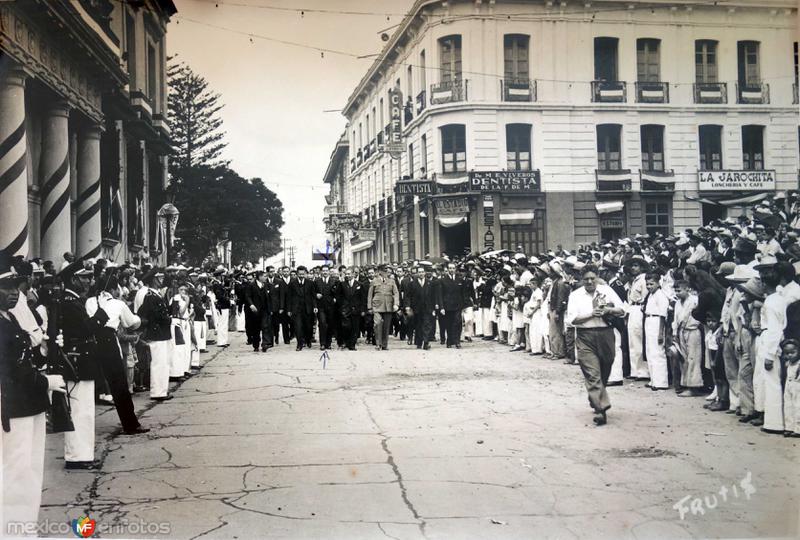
212 199
194 120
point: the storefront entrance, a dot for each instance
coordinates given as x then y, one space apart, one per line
712 212
455 240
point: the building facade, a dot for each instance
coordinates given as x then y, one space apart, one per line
532 124
83 132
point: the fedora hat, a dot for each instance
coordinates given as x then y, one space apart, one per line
742 273
753 287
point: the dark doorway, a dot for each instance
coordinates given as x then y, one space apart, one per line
712 212
455 241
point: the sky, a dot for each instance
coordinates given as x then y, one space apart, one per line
276 95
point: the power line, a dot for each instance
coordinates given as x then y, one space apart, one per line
301 10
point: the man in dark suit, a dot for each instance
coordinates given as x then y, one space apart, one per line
407 328
421 302
452 291
350 304
277 298
258 313
303 307
325 291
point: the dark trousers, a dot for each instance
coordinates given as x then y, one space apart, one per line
258 328
303 327
368 328
423 328
569 343
350 330
327 326
452 325
595 348
115 372
275 324
442 328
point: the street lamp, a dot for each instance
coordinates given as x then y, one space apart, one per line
167 221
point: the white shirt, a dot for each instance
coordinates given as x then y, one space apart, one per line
27 321
118 311
791 292
581 304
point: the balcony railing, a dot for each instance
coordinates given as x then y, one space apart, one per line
660 181
408 111
757 93
609 92
421 102
449 91
380 138
517 89
652 92
795 97
614 181
711 92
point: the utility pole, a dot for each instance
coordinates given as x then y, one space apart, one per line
291 256
284 252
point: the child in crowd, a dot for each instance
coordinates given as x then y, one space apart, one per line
687 343
656 310
518 321
790 357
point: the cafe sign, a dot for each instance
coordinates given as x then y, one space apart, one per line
394 139
413 187
735 180
505 181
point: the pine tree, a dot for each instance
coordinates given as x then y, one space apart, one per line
194 120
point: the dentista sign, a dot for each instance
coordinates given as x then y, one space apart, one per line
735 180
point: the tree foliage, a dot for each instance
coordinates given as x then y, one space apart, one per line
212 199
194 119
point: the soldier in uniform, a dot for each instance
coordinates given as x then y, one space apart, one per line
222 294
24 393
383 299
156 323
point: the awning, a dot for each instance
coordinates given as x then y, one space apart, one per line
451 221
361 246
609 207
614 176
451 180
517 217
737 201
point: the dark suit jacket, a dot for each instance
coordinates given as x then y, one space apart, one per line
302 297
422 299
277 294
559 296
452 293
328 292
258 297
351 300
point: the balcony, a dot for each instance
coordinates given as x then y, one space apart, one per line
517 89
657 181
711 92
449 92
652 92
609 92
795 97
421 102
757 93
614 182
379 138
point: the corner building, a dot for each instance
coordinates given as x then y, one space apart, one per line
83 127
531 124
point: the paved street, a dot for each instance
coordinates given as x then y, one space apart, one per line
479 443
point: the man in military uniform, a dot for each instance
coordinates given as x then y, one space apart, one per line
383 299
156 322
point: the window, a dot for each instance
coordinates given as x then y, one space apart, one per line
424 156
450 53
652 148
796 68
409 83
411 172
382 123
648 60
422 75
518 147
710 148
608 147
515 56
705 61
130 42
454 148
374 122
656 218
605 58
152 82
753 148
748 63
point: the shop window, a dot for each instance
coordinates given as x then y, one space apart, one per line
608 147
705 60
454 148
515 56
747 54
652 148
753 148
605 58
710 148
656 218
529 237
518 147
450 55
648 60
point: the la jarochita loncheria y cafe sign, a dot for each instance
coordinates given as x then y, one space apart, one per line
735 180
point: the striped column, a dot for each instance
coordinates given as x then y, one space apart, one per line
13 163
54 183
89 226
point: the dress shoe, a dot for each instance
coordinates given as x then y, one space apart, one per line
442 342
419 346
517 349
426 347
599 418
718 406
449 346
748 417
299 348
410 342
264 349
137 430
791 434
468 339
351 349
458 345
757 421
377 347
163 398
81 465
691 392
615 383
384 348
255 349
